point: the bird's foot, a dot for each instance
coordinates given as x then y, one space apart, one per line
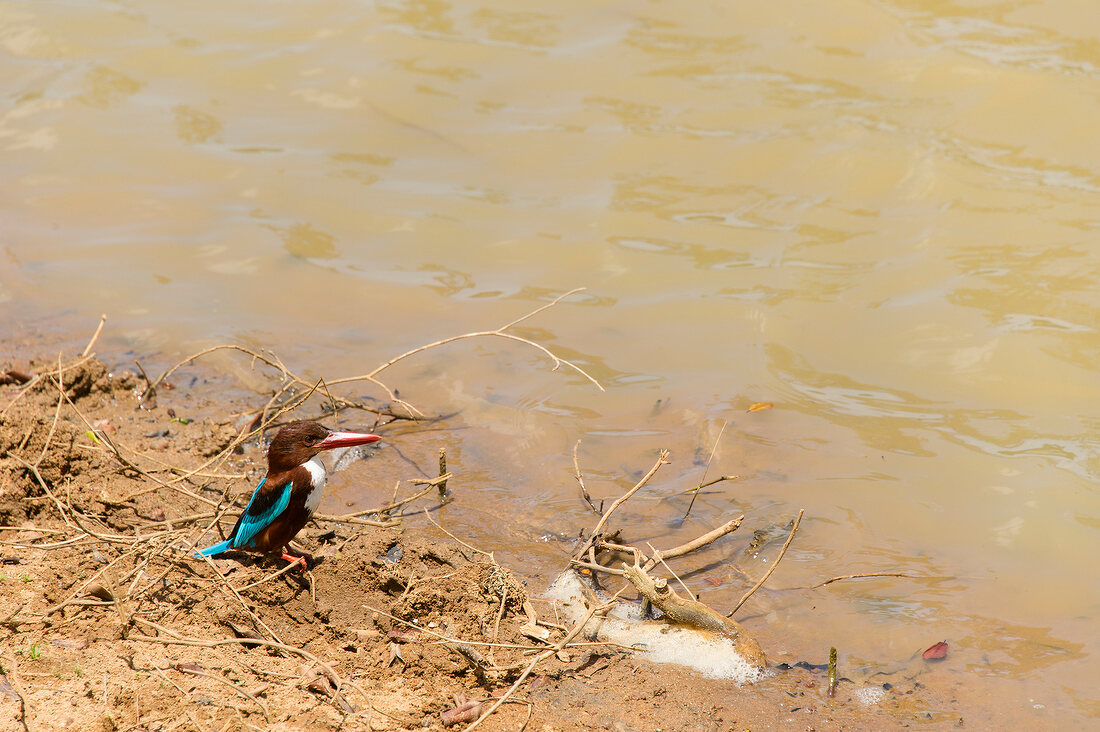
301 558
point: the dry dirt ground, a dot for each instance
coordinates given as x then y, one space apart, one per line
108 623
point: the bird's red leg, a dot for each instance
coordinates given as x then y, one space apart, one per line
300 557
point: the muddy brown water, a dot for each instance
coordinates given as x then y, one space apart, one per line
879 217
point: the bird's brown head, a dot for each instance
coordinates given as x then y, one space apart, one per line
297 442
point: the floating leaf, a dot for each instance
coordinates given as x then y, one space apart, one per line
935 652
760 406
715 581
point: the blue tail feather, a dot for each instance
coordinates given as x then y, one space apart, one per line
218 548
274 501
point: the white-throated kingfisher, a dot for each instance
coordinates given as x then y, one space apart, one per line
287 497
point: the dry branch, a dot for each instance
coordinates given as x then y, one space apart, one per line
11 673
685 610
573 633
177 639
698 542
860 575
694 613
198 672
771 569
291 380
662 459
595 567
580 480
95 336
706 469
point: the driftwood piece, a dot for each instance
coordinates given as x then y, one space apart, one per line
694 613
697 543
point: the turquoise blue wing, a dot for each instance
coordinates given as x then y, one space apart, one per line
265 505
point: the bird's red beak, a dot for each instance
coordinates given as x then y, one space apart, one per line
347 439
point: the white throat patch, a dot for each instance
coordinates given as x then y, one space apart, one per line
318 478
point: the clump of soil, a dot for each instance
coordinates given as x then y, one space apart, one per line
28 423
107 621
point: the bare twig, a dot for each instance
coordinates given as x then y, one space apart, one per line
33 469
577 628
12 621
187 551
12 675
214 677
499 332
68 600
160 673
443 472
832 673
662 459
580 480
353 518
711 482
177 639
771 569
471 547
57 412
149 390
268 578
500 616
659 558
859 576
595 567
702 480
240 599
447 640
95 336
107 440
272 361
698 542
659 555
290 380
350 519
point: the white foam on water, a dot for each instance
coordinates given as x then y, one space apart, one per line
709 654
870 694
